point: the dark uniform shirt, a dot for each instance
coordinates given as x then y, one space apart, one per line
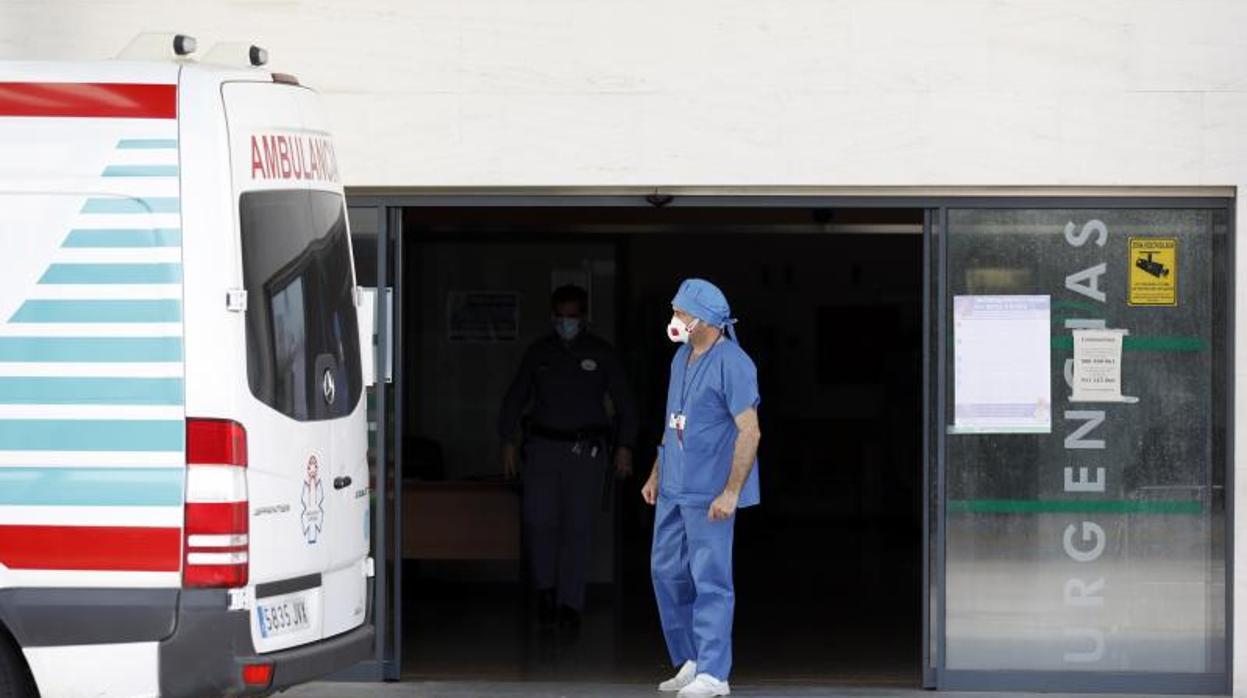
566 384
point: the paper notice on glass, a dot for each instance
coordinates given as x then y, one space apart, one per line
482 316
1002 364
1097 366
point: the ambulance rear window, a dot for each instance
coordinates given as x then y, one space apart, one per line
302 333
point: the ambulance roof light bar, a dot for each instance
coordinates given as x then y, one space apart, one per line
237 54
184 45
154 46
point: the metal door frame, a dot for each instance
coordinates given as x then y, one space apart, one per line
384 665
935 203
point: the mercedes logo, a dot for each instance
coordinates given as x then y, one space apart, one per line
328 387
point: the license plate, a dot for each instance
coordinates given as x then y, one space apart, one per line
282 617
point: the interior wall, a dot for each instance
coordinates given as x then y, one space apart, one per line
458 386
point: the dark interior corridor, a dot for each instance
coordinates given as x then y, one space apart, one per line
828 568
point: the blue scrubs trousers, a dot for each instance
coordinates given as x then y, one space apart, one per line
691 565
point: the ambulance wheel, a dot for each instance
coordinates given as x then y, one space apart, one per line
15 680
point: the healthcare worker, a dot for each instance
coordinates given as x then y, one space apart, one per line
706 469
566 377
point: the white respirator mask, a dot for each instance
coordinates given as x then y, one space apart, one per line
678 331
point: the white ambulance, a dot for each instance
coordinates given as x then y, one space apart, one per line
184 492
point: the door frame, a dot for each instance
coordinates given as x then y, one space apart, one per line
935 203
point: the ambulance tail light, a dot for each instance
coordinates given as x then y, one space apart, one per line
216 545
260 675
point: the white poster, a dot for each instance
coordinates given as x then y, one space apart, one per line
1002 364
1097 366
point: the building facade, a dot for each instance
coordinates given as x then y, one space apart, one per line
1048 147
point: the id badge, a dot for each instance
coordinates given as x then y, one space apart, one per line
678 420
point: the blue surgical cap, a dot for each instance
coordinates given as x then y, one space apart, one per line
704 300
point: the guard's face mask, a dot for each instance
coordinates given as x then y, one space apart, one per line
678 331
567 328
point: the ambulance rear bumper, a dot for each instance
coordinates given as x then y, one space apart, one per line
206 655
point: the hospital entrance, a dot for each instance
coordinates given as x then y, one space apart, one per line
828 569
946 502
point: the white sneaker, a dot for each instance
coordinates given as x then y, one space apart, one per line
705 686
683 677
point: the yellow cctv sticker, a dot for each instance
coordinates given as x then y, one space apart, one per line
1153 271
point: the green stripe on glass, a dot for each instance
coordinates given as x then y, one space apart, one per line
1077 305
1129 343
1039 506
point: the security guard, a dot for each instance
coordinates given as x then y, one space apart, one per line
566 377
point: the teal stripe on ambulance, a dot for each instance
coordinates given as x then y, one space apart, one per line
48 390
123 205
74 311
72 486
124 237
112 274
146 143
141 171
91 349
91 435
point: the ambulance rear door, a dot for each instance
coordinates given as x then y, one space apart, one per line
303 370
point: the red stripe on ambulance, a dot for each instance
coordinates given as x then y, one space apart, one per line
291 156
113 548
88 99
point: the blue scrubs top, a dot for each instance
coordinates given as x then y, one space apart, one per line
719 385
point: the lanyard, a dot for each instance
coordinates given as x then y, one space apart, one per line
697 371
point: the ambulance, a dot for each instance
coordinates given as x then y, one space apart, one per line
184 491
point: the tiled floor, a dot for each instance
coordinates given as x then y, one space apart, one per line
854 621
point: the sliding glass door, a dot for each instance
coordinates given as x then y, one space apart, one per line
1080 445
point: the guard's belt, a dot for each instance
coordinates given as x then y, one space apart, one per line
588 433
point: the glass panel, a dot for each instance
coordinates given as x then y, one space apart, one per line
364 231
365 222
1099 546
395 410
301 303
